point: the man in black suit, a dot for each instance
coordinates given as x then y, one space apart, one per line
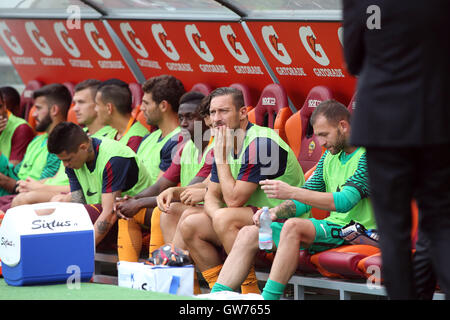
401 52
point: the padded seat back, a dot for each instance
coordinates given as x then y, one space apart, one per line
249 99
300 133
137 94
351 106
272 109
70 86
202 87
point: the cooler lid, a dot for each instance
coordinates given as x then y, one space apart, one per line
42 218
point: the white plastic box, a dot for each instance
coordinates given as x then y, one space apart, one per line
47 243
173 280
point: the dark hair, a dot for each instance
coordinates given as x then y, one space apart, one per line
165 87
332 110
193 97
91 84
66 136
115 81
236 94
55 93
203 107
10 97
117 95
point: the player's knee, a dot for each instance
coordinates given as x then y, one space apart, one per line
221 221
188 212
247 238
188 227
293 228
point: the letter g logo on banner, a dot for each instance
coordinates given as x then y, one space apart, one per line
97 42
131 38
194 37
317 54
37 39
236 49
9 39
166 45
277 49
66 41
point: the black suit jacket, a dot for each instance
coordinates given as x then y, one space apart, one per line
403 91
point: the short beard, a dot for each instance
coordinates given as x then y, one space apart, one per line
43 125
340 145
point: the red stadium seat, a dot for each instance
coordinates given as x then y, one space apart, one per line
70 86
137 94
249 98
351 106
202 87
26 98
272 109
342 262
355 261
300 133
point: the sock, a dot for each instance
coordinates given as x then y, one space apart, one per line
156 236
196 284
212 274
220 287
250 285
273 290
129 240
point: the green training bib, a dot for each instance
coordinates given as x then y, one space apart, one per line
91 182
149 151
335 174
293 174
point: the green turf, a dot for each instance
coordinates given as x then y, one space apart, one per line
87 291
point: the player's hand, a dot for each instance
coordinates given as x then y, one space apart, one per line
164 199
277 189
257 215
192 196
223 143
127 209
28 185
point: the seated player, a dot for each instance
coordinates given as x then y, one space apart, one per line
144 203
244 154
339 185
35 191
99 171
15 132
11 98
160 108
113 106
194 158
52 103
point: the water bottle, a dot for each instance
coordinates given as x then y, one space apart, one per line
265 231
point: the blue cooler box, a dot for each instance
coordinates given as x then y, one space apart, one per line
47 243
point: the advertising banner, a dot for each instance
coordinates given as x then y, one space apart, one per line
303 55
58 51
216 53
